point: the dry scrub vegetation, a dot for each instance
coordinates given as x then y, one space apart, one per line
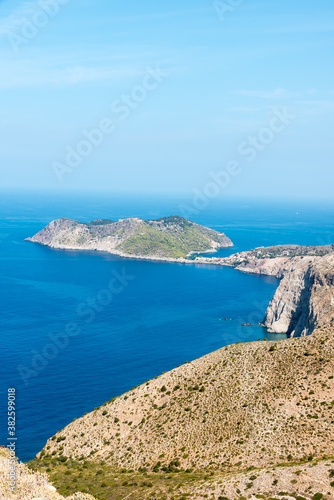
311 480
245 405
29 485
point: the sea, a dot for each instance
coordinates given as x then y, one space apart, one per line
63 363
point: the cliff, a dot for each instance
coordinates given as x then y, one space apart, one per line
305 296
169 238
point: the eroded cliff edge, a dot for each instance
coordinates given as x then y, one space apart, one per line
305 296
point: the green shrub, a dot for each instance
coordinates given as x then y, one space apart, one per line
157 467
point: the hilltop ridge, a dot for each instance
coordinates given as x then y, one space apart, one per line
245 402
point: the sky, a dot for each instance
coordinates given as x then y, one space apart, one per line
168 96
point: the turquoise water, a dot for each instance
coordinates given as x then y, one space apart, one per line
162 315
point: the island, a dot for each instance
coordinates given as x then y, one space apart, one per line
168 238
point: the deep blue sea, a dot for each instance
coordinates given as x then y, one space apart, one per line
165 315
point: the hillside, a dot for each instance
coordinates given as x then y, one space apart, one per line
311 479
29 485
246 405
169 238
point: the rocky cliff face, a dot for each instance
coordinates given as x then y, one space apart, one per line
305 296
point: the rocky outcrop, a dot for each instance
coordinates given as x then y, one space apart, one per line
28 485
169 238
304 298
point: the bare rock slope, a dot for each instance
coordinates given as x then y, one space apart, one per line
169 238
304 298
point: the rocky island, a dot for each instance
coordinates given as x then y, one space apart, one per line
169 238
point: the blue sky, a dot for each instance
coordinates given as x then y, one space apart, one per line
228 68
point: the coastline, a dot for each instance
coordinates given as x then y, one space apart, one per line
298 305
153 258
